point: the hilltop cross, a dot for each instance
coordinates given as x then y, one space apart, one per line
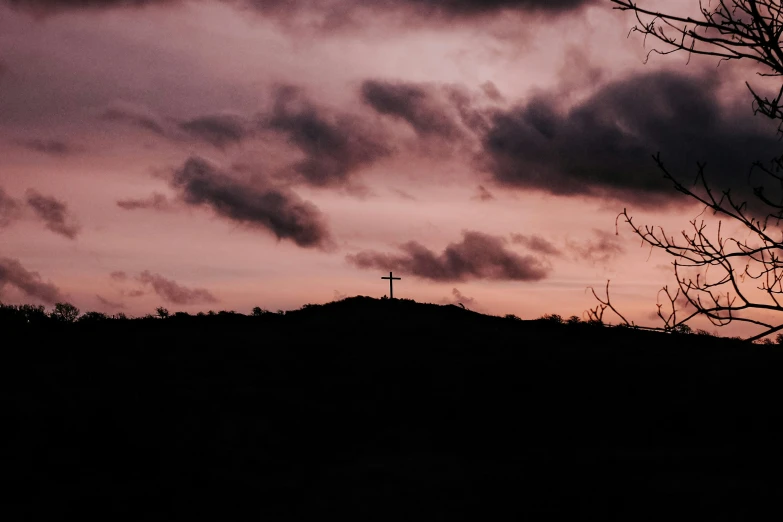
391 283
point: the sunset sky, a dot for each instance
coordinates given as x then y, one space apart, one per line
229 154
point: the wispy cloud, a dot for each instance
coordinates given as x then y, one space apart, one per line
14 274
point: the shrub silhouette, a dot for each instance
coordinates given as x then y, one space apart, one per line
65 312
93 317
162 312
682 329
552 318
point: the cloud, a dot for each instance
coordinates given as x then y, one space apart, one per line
482 194
280 212
10 209
414 104
172 292
118 275
337 13
156 201
458 298
135 115
51 147
335 146
470 8
403 195
602 147
492 92
14 274
536 244
67 5
477 256
109 304
54 213
603 248
218 130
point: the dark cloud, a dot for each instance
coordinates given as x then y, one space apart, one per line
109 304
118 275
492 92
137 116
172 292
334 146
602 248
336 13
55 5
10 209
217 130
482 194
603 146
51 147
415 104
54 213
156 201
14 274
536 244
280 212
480 7
477 256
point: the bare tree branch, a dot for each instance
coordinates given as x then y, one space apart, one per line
723 278
727 29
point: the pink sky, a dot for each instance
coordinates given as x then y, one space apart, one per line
269 155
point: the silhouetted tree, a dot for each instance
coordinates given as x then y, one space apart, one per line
65 312
748 30
552 318
258 311
162 312
22 314
92 317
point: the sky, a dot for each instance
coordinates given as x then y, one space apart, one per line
220 155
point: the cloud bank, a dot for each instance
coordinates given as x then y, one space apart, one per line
334 145
603 146
477 256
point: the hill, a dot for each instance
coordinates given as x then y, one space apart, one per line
385 410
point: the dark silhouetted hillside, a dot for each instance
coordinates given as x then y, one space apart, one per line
384 410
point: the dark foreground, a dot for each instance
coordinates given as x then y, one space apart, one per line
379 410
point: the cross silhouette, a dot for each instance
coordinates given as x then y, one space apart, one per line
391 282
